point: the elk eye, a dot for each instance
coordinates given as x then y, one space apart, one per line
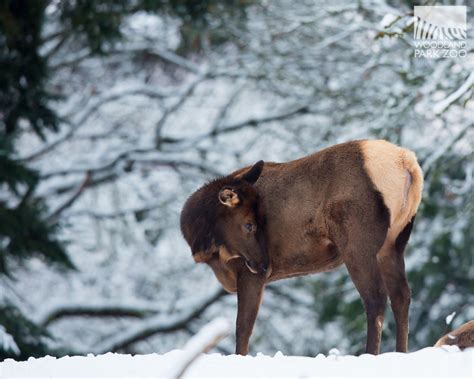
249 227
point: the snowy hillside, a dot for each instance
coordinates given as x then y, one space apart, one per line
428 362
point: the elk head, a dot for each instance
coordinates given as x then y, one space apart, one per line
226 217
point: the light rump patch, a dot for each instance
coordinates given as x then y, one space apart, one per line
394 171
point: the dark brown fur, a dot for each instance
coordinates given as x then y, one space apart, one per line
462 336
313 214
402 239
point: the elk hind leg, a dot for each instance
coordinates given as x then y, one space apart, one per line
368 281
392 266
359 233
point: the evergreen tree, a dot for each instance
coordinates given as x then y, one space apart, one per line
25 228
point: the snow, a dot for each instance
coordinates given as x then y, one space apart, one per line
202 342
447 361
7 342
449 318
388 20
334 351
439 107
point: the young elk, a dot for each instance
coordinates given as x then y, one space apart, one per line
352 203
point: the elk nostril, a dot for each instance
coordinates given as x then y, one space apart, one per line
256 268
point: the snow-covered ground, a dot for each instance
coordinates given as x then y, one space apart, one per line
447 361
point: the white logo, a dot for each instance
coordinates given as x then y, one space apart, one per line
440 31
440 22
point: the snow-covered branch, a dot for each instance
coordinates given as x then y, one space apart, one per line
72 199
175 59
130 157
122 212
249 123
7 342
85 114
202 342
178 104
442 105
100 310
159 324
431 160
254 122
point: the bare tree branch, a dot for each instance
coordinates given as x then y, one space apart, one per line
103 310
182 99
96 180
252 123
158 324
162 53
72 199
226 107
72 61
122 212
431 160
129 159
113 95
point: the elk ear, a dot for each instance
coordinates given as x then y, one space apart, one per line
254 173
229 197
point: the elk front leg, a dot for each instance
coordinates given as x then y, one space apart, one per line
249 296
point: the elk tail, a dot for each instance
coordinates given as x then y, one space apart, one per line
413 184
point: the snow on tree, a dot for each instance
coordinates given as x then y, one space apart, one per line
158 112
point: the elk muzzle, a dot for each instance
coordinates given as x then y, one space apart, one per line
256 268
